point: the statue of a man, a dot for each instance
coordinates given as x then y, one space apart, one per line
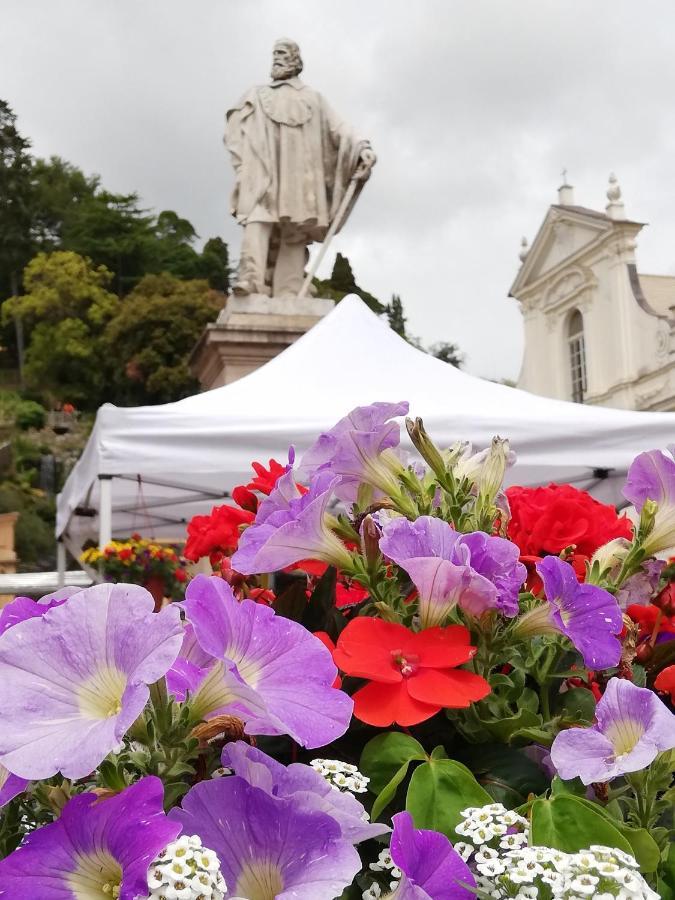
294 159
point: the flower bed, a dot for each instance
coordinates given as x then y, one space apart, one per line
446 690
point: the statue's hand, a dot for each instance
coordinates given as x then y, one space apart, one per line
367 160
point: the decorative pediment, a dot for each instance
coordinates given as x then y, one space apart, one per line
565 234
569 286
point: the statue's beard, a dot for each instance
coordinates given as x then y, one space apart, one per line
281 72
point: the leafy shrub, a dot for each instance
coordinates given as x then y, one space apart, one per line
30 415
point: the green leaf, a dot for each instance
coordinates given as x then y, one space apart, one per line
388 792
666 882
507 774
570 824
573 787
321 613
292 603
578 704
505 728
384 755
439 790
643 846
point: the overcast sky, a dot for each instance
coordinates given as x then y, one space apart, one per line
473 107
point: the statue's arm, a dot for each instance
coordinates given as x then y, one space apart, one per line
340 130
233 138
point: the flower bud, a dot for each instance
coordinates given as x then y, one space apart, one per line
492 474
610 555
229 727
370 540
425 446
245 498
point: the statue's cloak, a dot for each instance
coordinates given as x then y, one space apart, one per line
293 158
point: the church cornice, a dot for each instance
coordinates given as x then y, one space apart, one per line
606 229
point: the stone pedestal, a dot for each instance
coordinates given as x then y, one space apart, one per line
249 332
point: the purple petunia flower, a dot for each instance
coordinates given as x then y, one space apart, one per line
269 847
431 868
308 788
95 848
640 588
632 727
285 672
22 608
476 571
10 786
588 615
290 526
651 476
76 678
360 449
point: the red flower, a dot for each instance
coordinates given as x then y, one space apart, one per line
218 531
266 478
548 519
349 595
180 575
262 595
533 582
245 498
412 676
309 567
665 682
646 617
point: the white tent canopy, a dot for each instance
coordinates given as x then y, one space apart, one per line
151 468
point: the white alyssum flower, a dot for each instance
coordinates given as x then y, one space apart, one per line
340 775
386 864
186 870
593 873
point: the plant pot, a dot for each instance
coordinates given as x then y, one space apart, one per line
156 585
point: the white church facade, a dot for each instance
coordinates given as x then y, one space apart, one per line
597 331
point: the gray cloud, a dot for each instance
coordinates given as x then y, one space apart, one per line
472 107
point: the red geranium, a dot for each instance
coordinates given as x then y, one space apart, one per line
245 498
265 479
349 595
217 532
533 582
412 675
647 617
548 519
665 682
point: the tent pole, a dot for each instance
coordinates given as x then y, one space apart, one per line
60 563
105 510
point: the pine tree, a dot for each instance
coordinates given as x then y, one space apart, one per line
342 276
397 320
15 202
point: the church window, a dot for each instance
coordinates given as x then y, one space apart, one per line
577 351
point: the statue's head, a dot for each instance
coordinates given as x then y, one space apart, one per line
286 59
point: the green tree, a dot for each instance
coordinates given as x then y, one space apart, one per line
342 282
215 264
342 276
65 306
15 201
59 191
151 337
172 250
447 352
113 231
397 319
